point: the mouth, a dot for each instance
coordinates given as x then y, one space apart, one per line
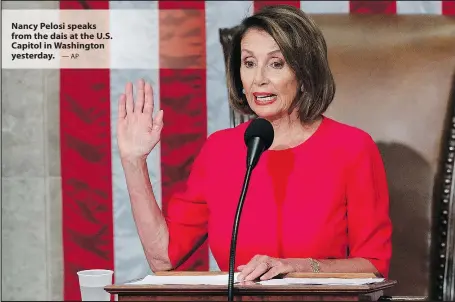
264 98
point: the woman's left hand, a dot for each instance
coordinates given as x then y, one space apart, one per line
265 267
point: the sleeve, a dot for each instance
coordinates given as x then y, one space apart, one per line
369 224
186 214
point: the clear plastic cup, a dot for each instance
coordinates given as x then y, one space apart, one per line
92 283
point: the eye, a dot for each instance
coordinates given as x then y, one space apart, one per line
248 63
278 64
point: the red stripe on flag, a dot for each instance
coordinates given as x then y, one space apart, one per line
260 4
373 7
182 5
85 4
86 168
183 100
448 8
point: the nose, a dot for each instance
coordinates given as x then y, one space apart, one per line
260 77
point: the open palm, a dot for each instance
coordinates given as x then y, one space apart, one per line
138 131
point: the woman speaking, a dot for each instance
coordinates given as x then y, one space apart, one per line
318 197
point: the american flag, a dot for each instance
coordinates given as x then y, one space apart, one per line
98 226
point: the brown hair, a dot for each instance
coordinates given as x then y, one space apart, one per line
304 49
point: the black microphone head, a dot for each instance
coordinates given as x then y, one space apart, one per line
261 128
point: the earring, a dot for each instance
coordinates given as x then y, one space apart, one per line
301 88
243 91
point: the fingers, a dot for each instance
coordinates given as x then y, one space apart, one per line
248 269
265 268
122 106
140 97
129 98
247 283
144 98
278 269
257 271
148 103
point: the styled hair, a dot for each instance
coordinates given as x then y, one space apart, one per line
305 51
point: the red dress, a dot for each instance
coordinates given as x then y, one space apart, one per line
326 198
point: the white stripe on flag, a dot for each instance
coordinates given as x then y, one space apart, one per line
419 7
219 15
325 7
130 262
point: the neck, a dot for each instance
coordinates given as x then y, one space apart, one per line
291 132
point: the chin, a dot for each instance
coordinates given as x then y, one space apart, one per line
267 112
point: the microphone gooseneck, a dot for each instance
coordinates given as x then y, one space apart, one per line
235 231
258 138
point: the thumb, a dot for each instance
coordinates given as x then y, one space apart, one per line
158 121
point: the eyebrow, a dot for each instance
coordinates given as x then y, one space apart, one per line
270 53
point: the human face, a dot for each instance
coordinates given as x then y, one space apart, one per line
269 83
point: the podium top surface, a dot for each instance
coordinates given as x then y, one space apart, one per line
254 289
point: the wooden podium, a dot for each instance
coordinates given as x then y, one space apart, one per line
253 292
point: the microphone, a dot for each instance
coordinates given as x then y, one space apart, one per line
258 138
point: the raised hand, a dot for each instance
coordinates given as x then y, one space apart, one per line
138 132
